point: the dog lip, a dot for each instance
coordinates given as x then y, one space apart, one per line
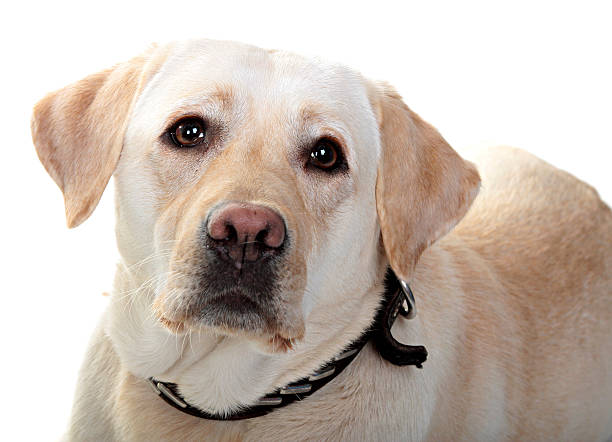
235 298
235 309
233 295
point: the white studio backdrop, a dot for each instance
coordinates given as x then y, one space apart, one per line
535 75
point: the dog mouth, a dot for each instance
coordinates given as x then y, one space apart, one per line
235 311
233 308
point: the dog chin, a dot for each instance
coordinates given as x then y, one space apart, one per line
233 314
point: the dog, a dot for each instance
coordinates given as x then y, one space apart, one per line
261 198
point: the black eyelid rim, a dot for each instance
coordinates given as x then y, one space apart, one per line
317 147
171 130
341 162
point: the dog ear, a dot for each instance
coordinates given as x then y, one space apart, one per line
423 186
78 131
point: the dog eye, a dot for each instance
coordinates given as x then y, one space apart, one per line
188 132
325 155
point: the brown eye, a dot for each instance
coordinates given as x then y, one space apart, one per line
325 155
188 132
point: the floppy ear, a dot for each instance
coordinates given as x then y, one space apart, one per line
423 186
78 131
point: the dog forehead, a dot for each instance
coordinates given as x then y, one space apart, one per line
263 78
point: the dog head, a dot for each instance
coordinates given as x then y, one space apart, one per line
255 189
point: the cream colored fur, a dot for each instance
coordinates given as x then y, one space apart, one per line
513 304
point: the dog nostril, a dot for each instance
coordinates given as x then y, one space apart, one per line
261 236
232 235
274 235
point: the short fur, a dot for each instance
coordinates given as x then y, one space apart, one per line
514 303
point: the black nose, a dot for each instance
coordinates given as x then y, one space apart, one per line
243 232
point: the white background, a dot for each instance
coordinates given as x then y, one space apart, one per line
534 75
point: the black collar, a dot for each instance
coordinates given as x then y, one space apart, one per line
397 299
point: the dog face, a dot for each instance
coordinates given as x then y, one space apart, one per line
255 189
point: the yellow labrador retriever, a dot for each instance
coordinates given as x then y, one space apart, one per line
261 198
